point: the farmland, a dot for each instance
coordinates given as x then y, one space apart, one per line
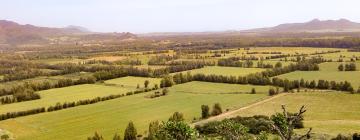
339 116
79 93
111 116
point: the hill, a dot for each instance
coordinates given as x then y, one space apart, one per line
315 25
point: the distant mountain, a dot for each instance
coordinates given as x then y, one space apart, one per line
14 33
316 25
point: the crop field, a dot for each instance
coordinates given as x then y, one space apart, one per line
66 94
111 117
328 71
226 71
132 82
327 112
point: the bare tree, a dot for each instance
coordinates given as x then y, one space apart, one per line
287 132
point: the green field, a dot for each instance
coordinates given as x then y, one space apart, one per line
328 71
112 116
330 113
66 94
132 82
226 71
220 88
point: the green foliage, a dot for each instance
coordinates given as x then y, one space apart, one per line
130 132
175 130
116 137
177 117
216 109
205 111
153 129
230 130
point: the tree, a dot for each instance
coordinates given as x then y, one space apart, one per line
153 128
116 137
341 67
138 86
165 91
5 137
272 92
130 132
176 117
253 91
175 130
205 111
97 136
230 130
284 124
278 65
216 109
146 83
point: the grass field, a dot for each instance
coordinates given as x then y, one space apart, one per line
112 116
66 94
220 88
346 56
132 82
227 71
57 61
329 113
328 71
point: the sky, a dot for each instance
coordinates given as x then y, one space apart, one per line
143 16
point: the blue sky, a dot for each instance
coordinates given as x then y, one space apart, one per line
140 16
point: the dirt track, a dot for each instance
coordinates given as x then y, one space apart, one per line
229 113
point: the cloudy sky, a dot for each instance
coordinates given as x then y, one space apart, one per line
141 16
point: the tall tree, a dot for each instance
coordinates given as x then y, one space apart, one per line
130 132
205 111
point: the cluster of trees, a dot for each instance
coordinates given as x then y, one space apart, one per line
205 110
234 62
162 59
20 95
164 92
347 67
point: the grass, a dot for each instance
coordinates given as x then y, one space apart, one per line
132 82
227 71
112 116
66 94
328 113
328 71
219 88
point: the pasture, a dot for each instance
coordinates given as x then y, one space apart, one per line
112 116
132 82
328 71
66 94
327 112
226 71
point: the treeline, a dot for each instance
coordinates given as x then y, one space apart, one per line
20 94
37 86
162 59
347 67
263 78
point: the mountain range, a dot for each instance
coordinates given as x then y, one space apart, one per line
315 25
14 33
